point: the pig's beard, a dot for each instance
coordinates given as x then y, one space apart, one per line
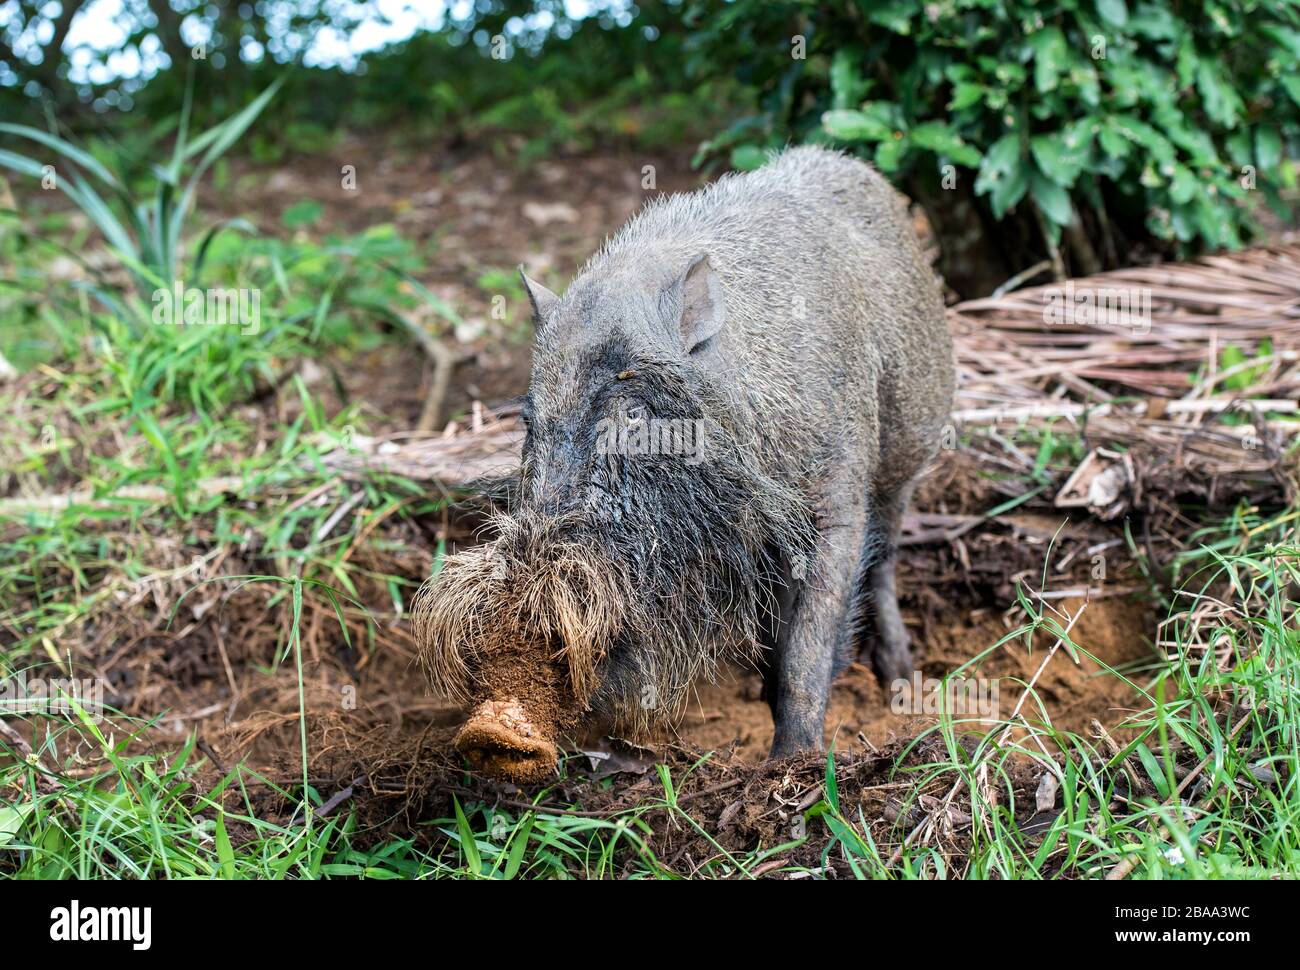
534 593
663 578
702 545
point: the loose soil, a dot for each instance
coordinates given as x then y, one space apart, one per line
1110 633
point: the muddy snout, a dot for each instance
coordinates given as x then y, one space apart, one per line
503 741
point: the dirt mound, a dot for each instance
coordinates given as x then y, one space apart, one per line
1111 633
1114 631
390 761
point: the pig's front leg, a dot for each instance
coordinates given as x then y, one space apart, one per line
800 678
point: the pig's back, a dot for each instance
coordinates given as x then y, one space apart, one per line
836 337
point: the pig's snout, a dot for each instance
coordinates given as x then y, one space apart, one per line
500 740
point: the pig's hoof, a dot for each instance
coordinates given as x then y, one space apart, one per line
892 665
500 741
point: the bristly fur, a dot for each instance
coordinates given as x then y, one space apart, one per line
653 571
530 584
790 313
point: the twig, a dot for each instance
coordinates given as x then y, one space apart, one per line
328 525
1053 251
444 362
1021 277
17 740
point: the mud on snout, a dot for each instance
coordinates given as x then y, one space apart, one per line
517 630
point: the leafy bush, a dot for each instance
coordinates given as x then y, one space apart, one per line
598 79
146 233
1109 123
291 297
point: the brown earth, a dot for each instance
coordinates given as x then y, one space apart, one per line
222 677
1114 632
391 758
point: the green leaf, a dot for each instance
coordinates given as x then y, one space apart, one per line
847 84
889 154
468 844
1187 61
941 139
1196 143
1003 177
1008 73
1291 84
894 15
1284 37
832 785
1154 22
852 125
1051 57
518 844
1084 77
964 95
12 819
746 158
1060 156
1053 200
1244 379
1222 103
1010 190
1113 143
1268 147
1153 770
1231 356
64 148
1183 185
1180 224
1114 12
1002 155
225 853
1141 133
22 164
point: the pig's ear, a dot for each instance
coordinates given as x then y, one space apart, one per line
703 307
542 299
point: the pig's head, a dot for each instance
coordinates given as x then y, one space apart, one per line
639 545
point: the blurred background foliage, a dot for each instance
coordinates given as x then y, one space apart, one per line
1076 135
1085 131
569 81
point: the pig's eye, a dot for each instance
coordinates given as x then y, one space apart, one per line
634 414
